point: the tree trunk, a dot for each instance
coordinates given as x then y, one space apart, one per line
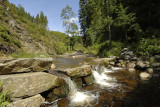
109 28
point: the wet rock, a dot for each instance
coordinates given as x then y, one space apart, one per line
25 65
156 70
61 91
126 57
155 65
112 63
28 84
89 80
131 70
131 65
110 59
121 61
134 59
123 65
118 65
78 82
149 70
145 76
156 57
35 101
78 71
142 65
103 61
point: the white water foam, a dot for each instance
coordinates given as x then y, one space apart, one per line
79 98
101 77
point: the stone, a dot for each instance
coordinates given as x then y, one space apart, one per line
78 82
155 65
118 65
52 67
124 49
89 80
12 23
112 58
73 57
25 65
156 70
61 91
131 65
131 70
157 58
2 1
134 59
145 76
149 70
123 65
142 65
120 61
28 84
103 61
82 71
127 57
35 101
112 63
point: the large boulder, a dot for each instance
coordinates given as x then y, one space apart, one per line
35 101
78 71
29 84
25 65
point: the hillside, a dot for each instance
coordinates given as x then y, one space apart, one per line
21 36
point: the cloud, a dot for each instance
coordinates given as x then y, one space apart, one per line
74 19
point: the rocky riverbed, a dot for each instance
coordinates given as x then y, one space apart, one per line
36 82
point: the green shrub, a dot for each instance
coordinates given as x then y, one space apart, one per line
4 96
114 51
6 37
148 47
17 43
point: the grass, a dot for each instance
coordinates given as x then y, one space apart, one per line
4 96
24 54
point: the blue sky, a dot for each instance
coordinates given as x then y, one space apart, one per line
51 8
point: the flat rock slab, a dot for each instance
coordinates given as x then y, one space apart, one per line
35 101
82 71
22 65
29 84
110 59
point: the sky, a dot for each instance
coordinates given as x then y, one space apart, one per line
51 8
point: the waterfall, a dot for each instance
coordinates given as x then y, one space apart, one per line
101 77
77 97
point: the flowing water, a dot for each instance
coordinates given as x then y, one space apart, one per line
77 97
114 87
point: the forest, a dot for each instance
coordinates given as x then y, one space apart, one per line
109 25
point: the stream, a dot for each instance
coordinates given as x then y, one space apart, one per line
114 87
